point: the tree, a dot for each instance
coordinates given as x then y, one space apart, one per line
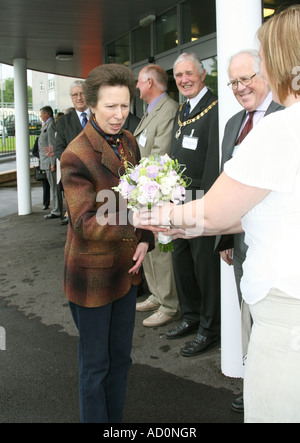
8 91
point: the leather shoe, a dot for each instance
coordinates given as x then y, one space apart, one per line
238 404
199 345
49 216
64 221
182 329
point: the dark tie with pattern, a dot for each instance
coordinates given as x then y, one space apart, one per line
84 119
247 128
187 110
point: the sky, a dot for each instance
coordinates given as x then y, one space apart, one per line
8 72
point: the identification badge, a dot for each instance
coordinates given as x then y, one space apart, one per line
190 142
235 150
143 139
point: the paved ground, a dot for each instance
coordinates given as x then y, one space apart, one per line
38 381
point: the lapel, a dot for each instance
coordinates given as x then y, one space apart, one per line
147 118
201 105
237 125
108 157
76 122
273 107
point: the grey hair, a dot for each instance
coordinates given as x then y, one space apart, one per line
190 56
77 83
252 53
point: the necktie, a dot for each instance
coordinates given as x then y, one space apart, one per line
247 128
187 110
83 119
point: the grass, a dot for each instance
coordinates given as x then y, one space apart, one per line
10 144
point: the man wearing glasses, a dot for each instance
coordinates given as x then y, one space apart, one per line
253 93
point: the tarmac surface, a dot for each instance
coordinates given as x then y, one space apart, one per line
38 367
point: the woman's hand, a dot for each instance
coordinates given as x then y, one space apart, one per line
157 220
150 219
138 257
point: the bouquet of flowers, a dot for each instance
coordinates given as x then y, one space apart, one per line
154 180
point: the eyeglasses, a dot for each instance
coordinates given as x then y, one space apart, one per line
245 81
77 94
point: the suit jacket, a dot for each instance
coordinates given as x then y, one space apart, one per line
46 138
157 128
97 255
131 123
231 133
67 128
202 163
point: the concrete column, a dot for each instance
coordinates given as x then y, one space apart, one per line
22 137
237 25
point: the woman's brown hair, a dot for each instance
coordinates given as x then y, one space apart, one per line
108 75
279 38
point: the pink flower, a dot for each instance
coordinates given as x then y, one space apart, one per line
152 171
150 193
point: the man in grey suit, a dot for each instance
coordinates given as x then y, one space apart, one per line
46 139
153 135
253 93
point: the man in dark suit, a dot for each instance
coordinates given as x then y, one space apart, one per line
72 123
253 94
195 144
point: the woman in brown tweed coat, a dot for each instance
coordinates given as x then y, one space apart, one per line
103 252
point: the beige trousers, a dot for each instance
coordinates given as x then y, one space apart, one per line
272 371
158 270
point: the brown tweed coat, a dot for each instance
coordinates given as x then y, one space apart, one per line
97 257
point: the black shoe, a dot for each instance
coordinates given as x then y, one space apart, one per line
49 216
64 221
238 404
182 329
199 345
45 207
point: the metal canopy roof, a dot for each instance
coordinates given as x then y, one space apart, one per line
37 30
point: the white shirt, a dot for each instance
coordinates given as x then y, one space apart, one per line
259 111
88 114
269 158
194 101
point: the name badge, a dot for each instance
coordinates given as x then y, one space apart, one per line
143 139
235 150
190 142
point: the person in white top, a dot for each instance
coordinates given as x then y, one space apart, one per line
259 192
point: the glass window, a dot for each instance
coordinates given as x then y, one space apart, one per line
166 33
198 19
141 43
118 51
211 79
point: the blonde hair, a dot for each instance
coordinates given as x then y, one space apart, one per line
279 38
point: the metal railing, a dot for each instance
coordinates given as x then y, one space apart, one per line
7 130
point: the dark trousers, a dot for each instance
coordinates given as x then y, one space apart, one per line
46 193
105 342
197 276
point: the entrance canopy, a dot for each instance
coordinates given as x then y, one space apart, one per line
38 31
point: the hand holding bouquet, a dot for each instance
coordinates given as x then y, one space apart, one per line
156 179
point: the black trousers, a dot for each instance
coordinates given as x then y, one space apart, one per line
197 276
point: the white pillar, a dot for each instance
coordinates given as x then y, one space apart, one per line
22 137
237 25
